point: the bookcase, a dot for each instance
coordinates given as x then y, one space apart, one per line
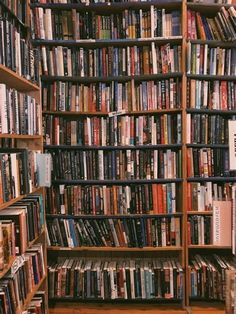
210 72
136 101
23 283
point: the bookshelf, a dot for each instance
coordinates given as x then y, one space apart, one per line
139 78
22 217
200 219
94 102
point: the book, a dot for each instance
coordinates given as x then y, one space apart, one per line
222 223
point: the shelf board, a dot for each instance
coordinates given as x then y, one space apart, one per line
118 301
13 15
96 43
168 4
118 216
30 296
119 78
115 249
7 267
116 182
97 113
125 147
13 80
211 111
14 200
214 43
194 212
211 179
208 77
23 137
223 146
209 246
37 238
214 7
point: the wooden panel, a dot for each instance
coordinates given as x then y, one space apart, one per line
113 309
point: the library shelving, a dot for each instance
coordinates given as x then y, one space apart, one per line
111 108
136 99
22 215
210 101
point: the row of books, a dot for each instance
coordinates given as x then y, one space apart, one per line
115 165
207 129
207 275
50 24
110 61
112 279
230 295
19 113
112 200
17 7
21 224
37 304
25 274
202 59
114 232
212 229
200 230
202 194
18 175
219 95
220 27
112 96
16 52
208 162
114 131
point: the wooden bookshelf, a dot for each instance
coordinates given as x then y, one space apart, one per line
116 249
13 80
11 142
193 305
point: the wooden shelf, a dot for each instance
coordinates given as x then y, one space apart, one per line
208 7
227 112
194 212
113 216
209 246
112 182
223 146
125 147
208 77
7 267
211 179
14 200
108 7
96 43
116 249
30 296
214 43
130 113
107 79
115 301
13 80
21 137
57 307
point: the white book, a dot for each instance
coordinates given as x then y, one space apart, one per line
48 24
41 23
222 223
3 108
232 144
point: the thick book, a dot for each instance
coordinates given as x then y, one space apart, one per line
222 223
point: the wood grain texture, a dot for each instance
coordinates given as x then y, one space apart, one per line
74 308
